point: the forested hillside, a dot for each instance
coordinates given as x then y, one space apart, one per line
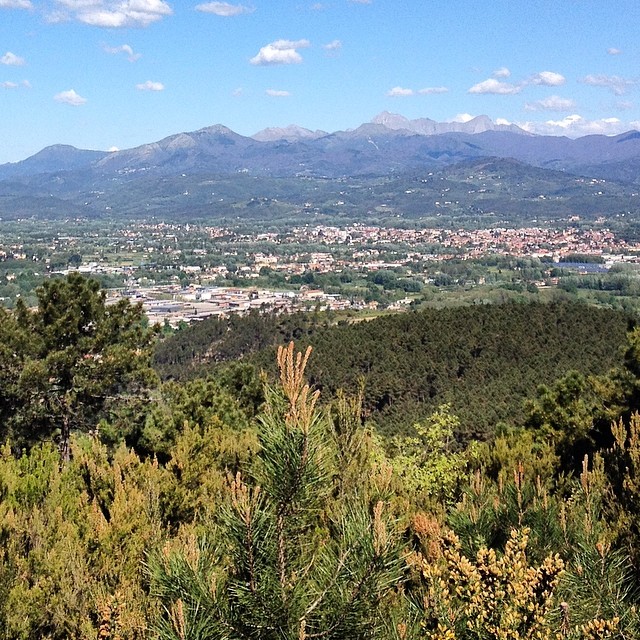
242 507
483 360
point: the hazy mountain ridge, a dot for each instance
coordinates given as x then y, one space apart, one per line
199 173
387 144
428 127
58 157
290 133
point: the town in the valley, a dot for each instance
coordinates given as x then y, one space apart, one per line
185 272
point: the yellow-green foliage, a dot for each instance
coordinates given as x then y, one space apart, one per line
74 539
512 447
426 464
198 466
493 596
624 463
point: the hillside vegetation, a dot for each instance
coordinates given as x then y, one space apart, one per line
235 507
471 192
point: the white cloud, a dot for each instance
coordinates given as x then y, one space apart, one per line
70 97
427 91
398 92
126 49
112 13
224 9
113 149
334 45
635 124
15 4
552 103
547 79
275 93
236 93
503 121
12 59
462 117
361 1
502 72
615 83
575 126
612 51
25 84
280 52
150 86
496 87
401 92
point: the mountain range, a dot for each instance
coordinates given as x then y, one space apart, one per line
388 146
389 143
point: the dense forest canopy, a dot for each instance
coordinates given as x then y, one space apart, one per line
225 504
484 360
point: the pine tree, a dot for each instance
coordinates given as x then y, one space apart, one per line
286 561
69 361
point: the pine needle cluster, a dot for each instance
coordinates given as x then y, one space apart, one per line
286 561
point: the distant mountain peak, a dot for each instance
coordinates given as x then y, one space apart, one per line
290 133
55 148
392 120
217 129
51 159
428 127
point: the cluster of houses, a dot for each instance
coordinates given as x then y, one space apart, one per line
175 305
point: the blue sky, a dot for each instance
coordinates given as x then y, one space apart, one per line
103 74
